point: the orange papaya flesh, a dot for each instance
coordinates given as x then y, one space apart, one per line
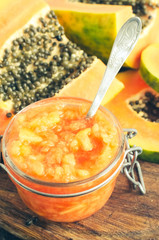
149 66
72 75
95 26
4 120
86 85
14 15
147 136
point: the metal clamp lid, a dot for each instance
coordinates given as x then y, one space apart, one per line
131 164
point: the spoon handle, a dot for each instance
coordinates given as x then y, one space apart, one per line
123 45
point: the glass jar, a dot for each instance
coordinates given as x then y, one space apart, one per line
71 201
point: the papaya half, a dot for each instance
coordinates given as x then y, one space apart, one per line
38 61
95 26
136 106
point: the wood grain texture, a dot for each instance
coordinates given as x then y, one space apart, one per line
127 215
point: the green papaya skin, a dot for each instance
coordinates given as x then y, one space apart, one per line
149 66
94 27
150 156
92 32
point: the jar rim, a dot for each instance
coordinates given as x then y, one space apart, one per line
103 172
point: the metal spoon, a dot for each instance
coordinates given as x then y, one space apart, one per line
123 45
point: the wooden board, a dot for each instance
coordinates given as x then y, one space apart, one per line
127 215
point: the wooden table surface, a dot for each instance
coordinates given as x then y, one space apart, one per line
127 215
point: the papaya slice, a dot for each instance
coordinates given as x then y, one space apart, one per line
148 129
38 61
95 26
92 26
149 66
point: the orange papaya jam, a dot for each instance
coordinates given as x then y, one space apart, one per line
55 150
